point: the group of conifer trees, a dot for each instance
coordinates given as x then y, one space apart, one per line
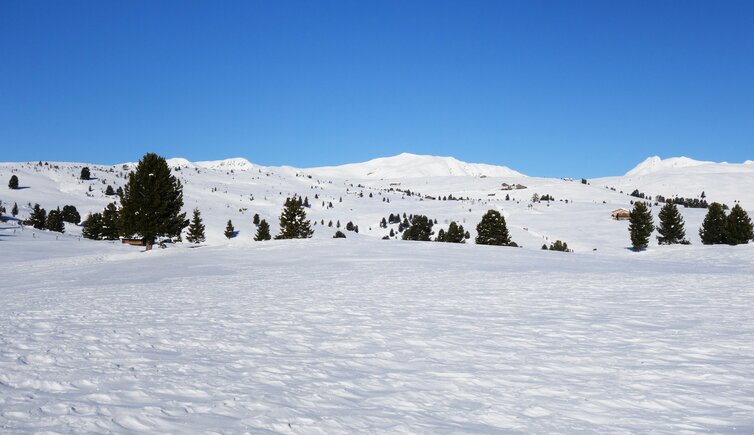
717 228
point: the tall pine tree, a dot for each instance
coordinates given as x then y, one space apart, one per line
492 230
55 221
263 231
37 218
640 225
712 231
13 182
92 228
196 228
738 227
293 222
455 233
109 226
229 232
152 202
671 230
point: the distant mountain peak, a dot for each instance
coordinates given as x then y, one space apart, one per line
655 163
408 165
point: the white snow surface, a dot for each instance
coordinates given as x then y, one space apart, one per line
370 335
407 165
364 335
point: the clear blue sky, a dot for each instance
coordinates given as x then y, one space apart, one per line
575 88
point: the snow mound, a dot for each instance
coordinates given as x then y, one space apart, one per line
749 162
179 162
238 163
655 164
407 165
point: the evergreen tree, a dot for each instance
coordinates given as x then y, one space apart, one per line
14 210
293 222
119 192
349 226
339 235
420 229
558 246
71 215
712 231
92 228
256 219
671 226
85 173
455 233
152 202
738 227
13 183
263 231
383 223
109 190
492 230
54 221
196 228
229 230
37 218
640 225
109 228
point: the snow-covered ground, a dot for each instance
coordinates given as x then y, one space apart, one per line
364 335
367 335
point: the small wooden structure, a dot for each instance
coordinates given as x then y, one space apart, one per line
620 214
133 242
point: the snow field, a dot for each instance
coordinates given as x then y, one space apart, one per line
356 335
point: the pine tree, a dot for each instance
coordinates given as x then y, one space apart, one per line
119 192
54 221
85 173
263 231
92 228
640 225
13 183
420 229
109 190
455 233
37 218
671 229
229 230
339 235
712 231
14 210
196 228
293 222
71 215
738 227
492 230
256 219
558 246
152 202
109 228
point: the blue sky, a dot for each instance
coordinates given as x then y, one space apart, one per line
554 88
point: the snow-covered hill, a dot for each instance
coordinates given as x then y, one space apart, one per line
365 193
682 176
408 165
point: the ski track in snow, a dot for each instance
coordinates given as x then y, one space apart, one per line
361 336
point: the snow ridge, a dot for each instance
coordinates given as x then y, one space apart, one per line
407 165
655 164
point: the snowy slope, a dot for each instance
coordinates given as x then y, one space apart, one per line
408 165
722 182
237 189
